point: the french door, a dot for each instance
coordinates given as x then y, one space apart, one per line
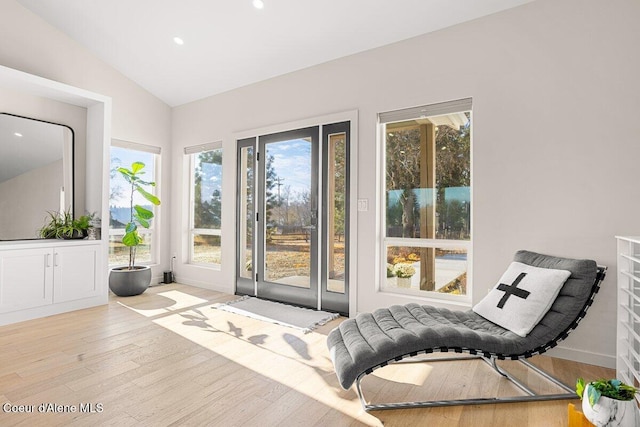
292 210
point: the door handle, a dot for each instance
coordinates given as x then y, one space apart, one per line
55 259
47 263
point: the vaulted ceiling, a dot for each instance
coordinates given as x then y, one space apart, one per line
231 43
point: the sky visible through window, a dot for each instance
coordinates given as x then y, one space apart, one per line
291 163
119 189
211 178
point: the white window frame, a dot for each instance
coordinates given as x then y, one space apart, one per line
461 105
191 152
153 230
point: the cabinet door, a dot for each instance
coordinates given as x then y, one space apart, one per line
75 269
26 279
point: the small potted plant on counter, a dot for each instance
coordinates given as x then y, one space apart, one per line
62 225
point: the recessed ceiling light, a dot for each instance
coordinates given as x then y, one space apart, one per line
258 4
178 41
18 134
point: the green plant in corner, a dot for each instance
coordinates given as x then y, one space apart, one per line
140 216
614 389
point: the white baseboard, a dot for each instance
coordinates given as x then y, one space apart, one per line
582 356
205 285
157 280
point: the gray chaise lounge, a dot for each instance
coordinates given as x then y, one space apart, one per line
372 340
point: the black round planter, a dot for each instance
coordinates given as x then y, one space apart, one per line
126 283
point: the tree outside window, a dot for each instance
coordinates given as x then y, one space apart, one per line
428 200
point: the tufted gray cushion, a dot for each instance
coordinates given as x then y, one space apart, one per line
370 339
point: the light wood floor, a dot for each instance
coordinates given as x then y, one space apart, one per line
168 358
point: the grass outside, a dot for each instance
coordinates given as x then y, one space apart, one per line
287 256
119 253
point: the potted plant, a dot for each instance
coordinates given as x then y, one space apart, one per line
62 225
132 279
404 272
608 402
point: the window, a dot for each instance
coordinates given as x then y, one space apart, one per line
205 204
123 154
427 198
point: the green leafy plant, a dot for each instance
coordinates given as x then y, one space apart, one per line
62 225
614 389
140 216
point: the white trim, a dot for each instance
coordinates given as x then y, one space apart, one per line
207 231
422 111
209 146
327 119
352 117
190 152
427 243
39 86
153 149
383 242
583 356
156 190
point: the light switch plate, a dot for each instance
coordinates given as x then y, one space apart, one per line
363 205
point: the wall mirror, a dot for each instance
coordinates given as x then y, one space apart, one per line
36 174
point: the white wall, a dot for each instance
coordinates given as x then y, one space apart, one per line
555 92
29 44
22 215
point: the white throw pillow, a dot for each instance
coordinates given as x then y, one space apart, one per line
522 297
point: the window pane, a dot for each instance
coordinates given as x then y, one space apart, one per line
206 209
206 249
288 213
246 214
207 191
337 190
428 177
427 269
119 253
120 203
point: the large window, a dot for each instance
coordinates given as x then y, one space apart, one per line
124 154
427 200
205 204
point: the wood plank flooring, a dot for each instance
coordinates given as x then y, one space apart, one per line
168 358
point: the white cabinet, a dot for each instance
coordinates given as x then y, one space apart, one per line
31 286
43 278
26 279
628 325
74 272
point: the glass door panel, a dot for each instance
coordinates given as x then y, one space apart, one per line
288 229
288 212
335 213
336 192
246 216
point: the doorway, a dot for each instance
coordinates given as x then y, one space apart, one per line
293 217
